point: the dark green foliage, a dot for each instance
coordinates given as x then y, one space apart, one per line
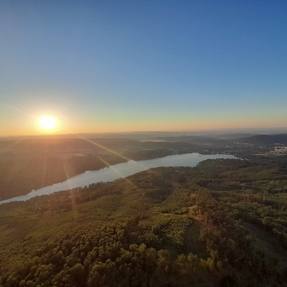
221 224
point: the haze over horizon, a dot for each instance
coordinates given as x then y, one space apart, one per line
110 66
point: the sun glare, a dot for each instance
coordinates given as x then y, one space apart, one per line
48 123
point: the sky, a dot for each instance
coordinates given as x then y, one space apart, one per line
170 65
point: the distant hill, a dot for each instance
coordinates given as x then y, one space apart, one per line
266 139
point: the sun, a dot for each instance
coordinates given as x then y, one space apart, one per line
48 123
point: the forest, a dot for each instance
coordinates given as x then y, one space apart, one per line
223 223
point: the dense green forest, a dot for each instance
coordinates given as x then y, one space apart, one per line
223 223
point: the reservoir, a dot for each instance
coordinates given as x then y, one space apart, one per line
117 171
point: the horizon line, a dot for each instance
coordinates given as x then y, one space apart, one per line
204 131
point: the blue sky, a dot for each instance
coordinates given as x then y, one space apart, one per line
143 65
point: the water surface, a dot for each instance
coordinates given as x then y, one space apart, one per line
118 171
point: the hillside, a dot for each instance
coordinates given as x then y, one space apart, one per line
277 139
220 224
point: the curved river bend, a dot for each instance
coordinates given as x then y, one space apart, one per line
118 171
